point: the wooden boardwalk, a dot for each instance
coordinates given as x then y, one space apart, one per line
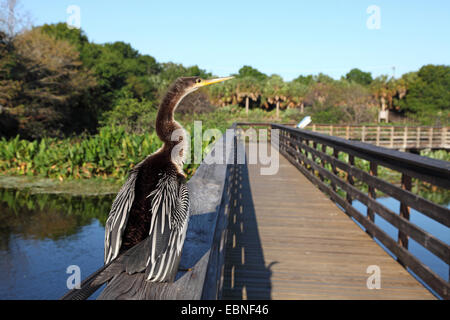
302 246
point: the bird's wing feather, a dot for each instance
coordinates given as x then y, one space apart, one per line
159 253
118 216
162 250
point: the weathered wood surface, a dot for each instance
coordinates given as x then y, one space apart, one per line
202 252
302 246
296 146
392 137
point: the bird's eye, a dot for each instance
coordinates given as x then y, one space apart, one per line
198 80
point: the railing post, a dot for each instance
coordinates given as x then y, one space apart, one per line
347 132
333 167
378 135
324 150
430 138
418 138
392 137
405 137
363 134
404 212
314 159
351 161
307 156
372 192
300 150
443 137
331 130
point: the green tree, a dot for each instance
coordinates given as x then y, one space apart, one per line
358 76
305 80
296 92
428 94
133 115
60 31
119 68
250 72
323 78
273 92
248 88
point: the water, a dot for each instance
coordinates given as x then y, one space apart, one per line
427 224
41 235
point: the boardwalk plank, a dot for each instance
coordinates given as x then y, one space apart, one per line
302 246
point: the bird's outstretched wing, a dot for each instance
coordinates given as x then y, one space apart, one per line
118 216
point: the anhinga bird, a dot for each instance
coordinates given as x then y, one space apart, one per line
147 224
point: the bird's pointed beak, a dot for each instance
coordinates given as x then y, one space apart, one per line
205 83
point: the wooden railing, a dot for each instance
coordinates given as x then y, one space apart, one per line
392 137
317 156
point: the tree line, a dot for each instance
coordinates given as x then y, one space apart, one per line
423 96
55 82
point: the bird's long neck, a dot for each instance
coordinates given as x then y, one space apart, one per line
170 131
165 122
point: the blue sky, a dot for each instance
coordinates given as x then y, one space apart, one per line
288 38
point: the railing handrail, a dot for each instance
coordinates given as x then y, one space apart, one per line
431 170
376 126
301 148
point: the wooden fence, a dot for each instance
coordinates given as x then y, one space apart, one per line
317 156
392 137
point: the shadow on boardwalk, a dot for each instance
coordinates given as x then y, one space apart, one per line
246 275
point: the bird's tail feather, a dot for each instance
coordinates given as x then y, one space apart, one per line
95 281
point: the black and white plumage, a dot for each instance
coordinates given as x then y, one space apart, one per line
147 224
168 214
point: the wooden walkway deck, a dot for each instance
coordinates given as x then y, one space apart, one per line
302 246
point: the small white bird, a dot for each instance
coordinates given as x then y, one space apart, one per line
305 121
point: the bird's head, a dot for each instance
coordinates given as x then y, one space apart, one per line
179 89
186 85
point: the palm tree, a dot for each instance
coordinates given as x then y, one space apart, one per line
248 88
273 92
296 93
224 94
